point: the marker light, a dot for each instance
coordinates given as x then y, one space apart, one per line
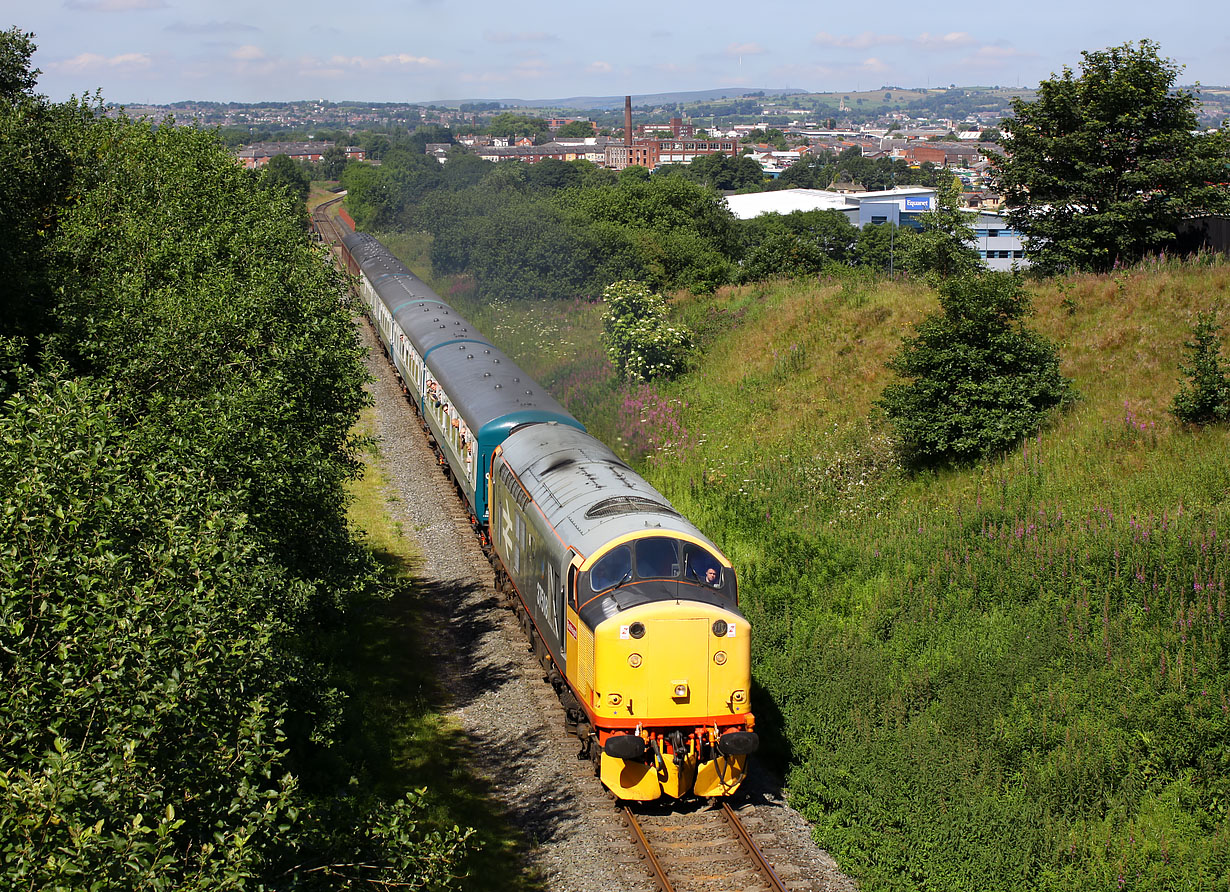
681 689
637 630
614 699
634 660
720 658
720 628
739 696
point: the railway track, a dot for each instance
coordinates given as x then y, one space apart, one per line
692 848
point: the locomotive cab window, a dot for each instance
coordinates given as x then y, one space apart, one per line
657 558
612 569
702 568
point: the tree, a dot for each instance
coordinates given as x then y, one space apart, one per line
282 172
977 379
1101 166
17 78
333 162
1205 397
945 245
576 130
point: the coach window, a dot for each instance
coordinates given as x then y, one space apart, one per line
657 558
613 568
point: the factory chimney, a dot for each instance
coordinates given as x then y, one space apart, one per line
627 120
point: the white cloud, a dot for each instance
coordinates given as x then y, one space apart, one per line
951 40
872 65
92 62
598 67
858 42
389 62
248 53
744 49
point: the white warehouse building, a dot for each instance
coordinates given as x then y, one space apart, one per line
997 243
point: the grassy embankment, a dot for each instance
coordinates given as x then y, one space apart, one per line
1009 676
410 742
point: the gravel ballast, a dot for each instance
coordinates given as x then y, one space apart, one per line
497 694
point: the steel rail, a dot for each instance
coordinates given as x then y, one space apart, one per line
659 873
753 850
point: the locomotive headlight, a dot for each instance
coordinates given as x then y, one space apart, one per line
720 628
637 630
614 699
720 658
681 690
634 660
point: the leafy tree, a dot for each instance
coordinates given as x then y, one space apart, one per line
575 130
1101 166
17 78
641 342
945 245
511 125
884 247
977 379
283 172
333 162
1205 397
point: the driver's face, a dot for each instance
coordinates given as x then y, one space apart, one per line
711 576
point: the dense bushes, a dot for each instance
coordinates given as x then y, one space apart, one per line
179 382
561 230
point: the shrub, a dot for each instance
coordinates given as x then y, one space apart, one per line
641 343
979 380
1206 398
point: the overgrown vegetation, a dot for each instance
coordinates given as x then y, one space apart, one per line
179 382
554 230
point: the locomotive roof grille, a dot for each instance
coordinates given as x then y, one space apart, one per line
617 505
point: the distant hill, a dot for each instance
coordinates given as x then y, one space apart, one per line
640 99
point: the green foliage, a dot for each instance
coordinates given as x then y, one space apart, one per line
639 338
575 130
884 247
979 381
175 557
17 78
944 247
1205 397
1102 166
283 173
510 124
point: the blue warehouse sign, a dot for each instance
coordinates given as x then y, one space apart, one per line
918 204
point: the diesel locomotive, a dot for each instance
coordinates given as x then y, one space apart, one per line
631 609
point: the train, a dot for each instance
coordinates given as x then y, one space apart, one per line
632 611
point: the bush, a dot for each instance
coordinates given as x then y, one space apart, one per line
980 381
640 342
1206 399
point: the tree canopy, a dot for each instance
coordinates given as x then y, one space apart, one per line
1102 165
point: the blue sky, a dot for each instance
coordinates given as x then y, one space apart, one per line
161 51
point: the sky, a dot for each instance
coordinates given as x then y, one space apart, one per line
162 51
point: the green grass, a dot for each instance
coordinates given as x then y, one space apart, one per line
1014 675
409 741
